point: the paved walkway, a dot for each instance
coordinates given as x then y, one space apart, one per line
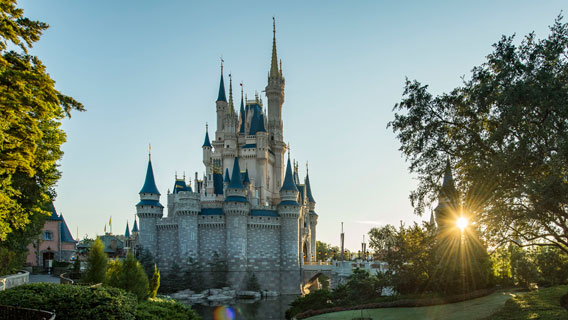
479 308
35 278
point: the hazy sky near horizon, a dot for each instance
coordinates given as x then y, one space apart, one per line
148 72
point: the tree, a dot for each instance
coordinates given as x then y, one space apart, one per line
30 135
146 259
192 276
505 131
325 251
252 282
219 271
133 278
97 263
155 282
382 240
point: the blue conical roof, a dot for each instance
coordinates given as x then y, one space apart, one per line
222 96
149 183
64 231
127 232
243 117
236 182
135 228
207 142
227 179
309 188
289 184
246 178
53 216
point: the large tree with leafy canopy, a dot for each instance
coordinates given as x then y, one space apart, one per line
31 110
505 131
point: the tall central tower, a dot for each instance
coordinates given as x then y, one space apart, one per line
275 95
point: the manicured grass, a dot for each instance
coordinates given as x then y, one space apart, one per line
542 304
467 310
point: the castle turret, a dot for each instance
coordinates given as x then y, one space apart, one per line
275 95
221 107
149 211
236 209
448 201
206 148
127 232
289 211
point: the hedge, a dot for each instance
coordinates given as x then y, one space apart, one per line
82 302
408 303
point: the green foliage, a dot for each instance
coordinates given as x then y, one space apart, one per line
192 276
81 302
146 259
219 270
505 132
97 264
324 251
10 261
71 301
30 136
252 282
155 282
381 240
324 281
173 279
552 264
541 304
164 309
128 275
312 301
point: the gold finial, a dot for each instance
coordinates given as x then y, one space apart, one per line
176 175
274 63
206 127
306 166
221 64
184 176
273 26
149 152
288 150
242 90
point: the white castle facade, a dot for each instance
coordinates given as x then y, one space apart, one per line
249 207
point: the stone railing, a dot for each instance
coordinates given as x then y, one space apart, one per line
14 280
65 279
14 313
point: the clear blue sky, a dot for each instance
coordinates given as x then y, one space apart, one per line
148 72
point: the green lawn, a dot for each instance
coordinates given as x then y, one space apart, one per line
467 310
542 304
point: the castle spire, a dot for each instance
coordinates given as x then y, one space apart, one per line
207 142
289 184
231 106
308 187
236 182
222 96
135 227
274 73
127 232
149 182
242 112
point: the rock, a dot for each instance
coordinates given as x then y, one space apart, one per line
226 288
197 296
182 295
248 294
219 297
205 292
230 293
214 292
268 293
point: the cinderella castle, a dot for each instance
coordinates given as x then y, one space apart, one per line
250 207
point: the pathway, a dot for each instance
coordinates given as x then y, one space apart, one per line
35 278
474 309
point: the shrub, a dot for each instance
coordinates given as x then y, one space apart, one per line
164 309
155 282
10 261
319 299
252 282
72 302
97 263
128 275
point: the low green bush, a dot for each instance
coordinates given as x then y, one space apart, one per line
164 309
72 302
